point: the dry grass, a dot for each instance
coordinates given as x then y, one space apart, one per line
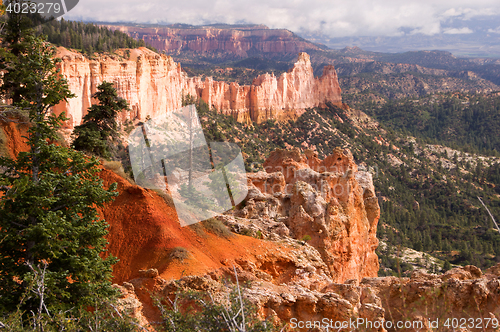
198 229
179 253
117 168
216 227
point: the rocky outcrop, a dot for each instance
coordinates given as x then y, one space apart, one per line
442 302
129 303
237 42
328 203
462 297
154 84
13 132
271 97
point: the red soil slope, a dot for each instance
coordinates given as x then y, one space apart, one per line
144 229
14 134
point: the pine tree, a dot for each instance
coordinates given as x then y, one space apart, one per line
48 197
13 43
99 130
446 266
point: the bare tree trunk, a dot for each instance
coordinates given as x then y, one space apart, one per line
498 228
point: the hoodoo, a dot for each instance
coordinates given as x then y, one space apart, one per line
154 84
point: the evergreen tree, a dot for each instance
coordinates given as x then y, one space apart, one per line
447 266
195 197
99 130
219 184
48 198
13 43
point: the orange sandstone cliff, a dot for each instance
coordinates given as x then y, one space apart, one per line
314 261
154 84
328 201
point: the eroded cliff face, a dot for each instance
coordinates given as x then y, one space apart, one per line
328 203
270 97
327 207
327 276
151 84
154 84
235 42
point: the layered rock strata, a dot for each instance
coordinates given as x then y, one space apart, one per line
239 42
154 84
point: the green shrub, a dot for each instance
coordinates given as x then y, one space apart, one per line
247 232
106 315
306 238
129 125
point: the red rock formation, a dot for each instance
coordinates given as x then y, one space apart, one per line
425 302
239 42
144 230
463 293
15 134
329 201
270 97
154 84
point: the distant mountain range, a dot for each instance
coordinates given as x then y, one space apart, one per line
479 44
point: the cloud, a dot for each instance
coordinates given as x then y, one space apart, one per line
338 18
455 31
496 30
470 13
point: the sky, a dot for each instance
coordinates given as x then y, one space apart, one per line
339 18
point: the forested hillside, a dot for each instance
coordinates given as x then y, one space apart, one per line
86 37
464 121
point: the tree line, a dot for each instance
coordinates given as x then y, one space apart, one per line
87 37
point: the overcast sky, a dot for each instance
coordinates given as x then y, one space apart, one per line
339 18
